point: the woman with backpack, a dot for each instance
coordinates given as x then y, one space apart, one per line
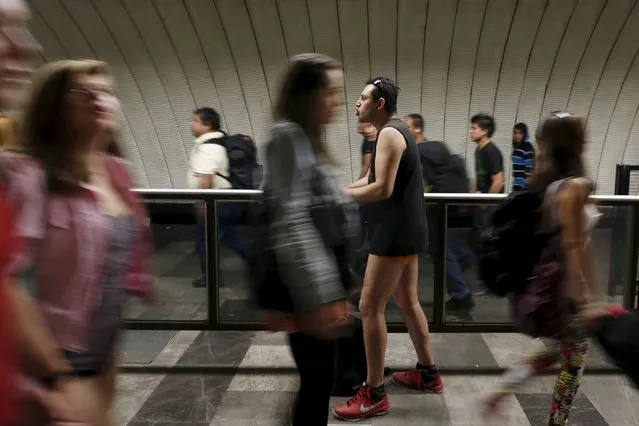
555 299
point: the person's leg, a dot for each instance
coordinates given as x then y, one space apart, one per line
315 360
465 257
381 278
518 374
425 377
481 217
200 248
573 361
380 281
455 282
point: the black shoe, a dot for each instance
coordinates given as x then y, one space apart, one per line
465 304
199 282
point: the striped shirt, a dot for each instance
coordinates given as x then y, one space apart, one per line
523 162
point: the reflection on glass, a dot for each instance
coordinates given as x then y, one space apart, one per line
176 267
466 298
234 285
609 264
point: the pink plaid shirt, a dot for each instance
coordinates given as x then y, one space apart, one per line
69 246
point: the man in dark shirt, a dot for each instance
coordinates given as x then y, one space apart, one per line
393 188
489 163
443 173
489 172
369 132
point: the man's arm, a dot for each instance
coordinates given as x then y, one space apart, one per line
390 148
497 183
366 164
205 181
359 183
496 170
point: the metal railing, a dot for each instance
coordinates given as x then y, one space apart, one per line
437 204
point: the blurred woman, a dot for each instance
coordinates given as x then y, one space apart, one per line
559 176
87 233
301 182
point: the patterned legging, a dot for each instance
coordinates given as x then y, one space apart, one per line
572 355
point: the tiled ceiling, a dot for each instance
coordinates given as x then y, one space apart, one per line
516 59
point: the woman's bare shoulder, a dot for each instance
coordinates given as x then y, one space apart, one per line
575 192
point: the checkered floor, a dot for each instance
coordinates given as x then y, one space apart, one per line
254 399
258 399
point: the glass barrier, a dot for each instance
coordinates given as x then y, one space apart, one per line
235 300
184 287
467 301
180 283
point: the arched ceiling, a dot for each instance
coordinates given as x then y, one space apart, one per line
516 59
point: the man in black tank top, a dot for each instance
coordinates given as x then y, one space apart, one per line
397 234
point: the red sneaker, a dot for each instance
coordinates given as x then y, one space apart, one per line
361 406
413 380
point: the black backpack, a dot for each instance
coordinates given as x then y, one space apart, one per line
511 246
458 169
244 170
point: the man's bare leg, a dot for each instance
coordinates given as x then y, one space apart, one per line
425 376
380 280
407 300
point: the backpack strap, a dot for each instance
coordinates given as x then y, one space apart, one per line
221 142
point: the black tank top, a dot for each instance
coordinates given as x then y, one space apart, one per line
397 225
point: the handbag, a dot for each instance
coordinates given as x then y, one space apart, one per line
542 308
328 217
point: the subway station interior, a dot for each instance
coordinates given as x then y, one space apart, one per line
199 355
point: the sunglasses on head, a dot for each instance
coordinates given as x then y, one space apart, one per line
557 114
561 114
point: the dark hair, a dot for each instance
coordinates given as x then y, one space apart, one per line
48 135
301 91
563 136
485 122
523 129
385 88
209 117
418 120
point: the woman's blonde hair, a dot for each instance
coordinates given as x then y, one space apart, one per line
47 133
8 132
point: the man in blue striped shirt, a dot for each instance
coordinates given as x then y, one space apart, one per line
523 157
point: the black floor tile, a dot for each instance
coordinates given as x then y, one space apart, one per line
218 348
184 400
537 409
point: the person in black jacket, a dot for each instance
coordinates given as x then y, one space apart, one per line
445 173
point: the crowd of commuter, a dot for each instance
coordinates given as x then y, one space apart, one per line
75 241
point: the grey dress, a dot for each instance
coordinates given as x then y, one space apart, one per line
105 323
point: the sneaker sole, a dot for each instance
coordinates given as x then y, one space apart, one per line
433 391
359 419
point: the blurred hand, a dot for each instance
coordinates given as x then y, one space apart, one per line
590 312
328 320
59 407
